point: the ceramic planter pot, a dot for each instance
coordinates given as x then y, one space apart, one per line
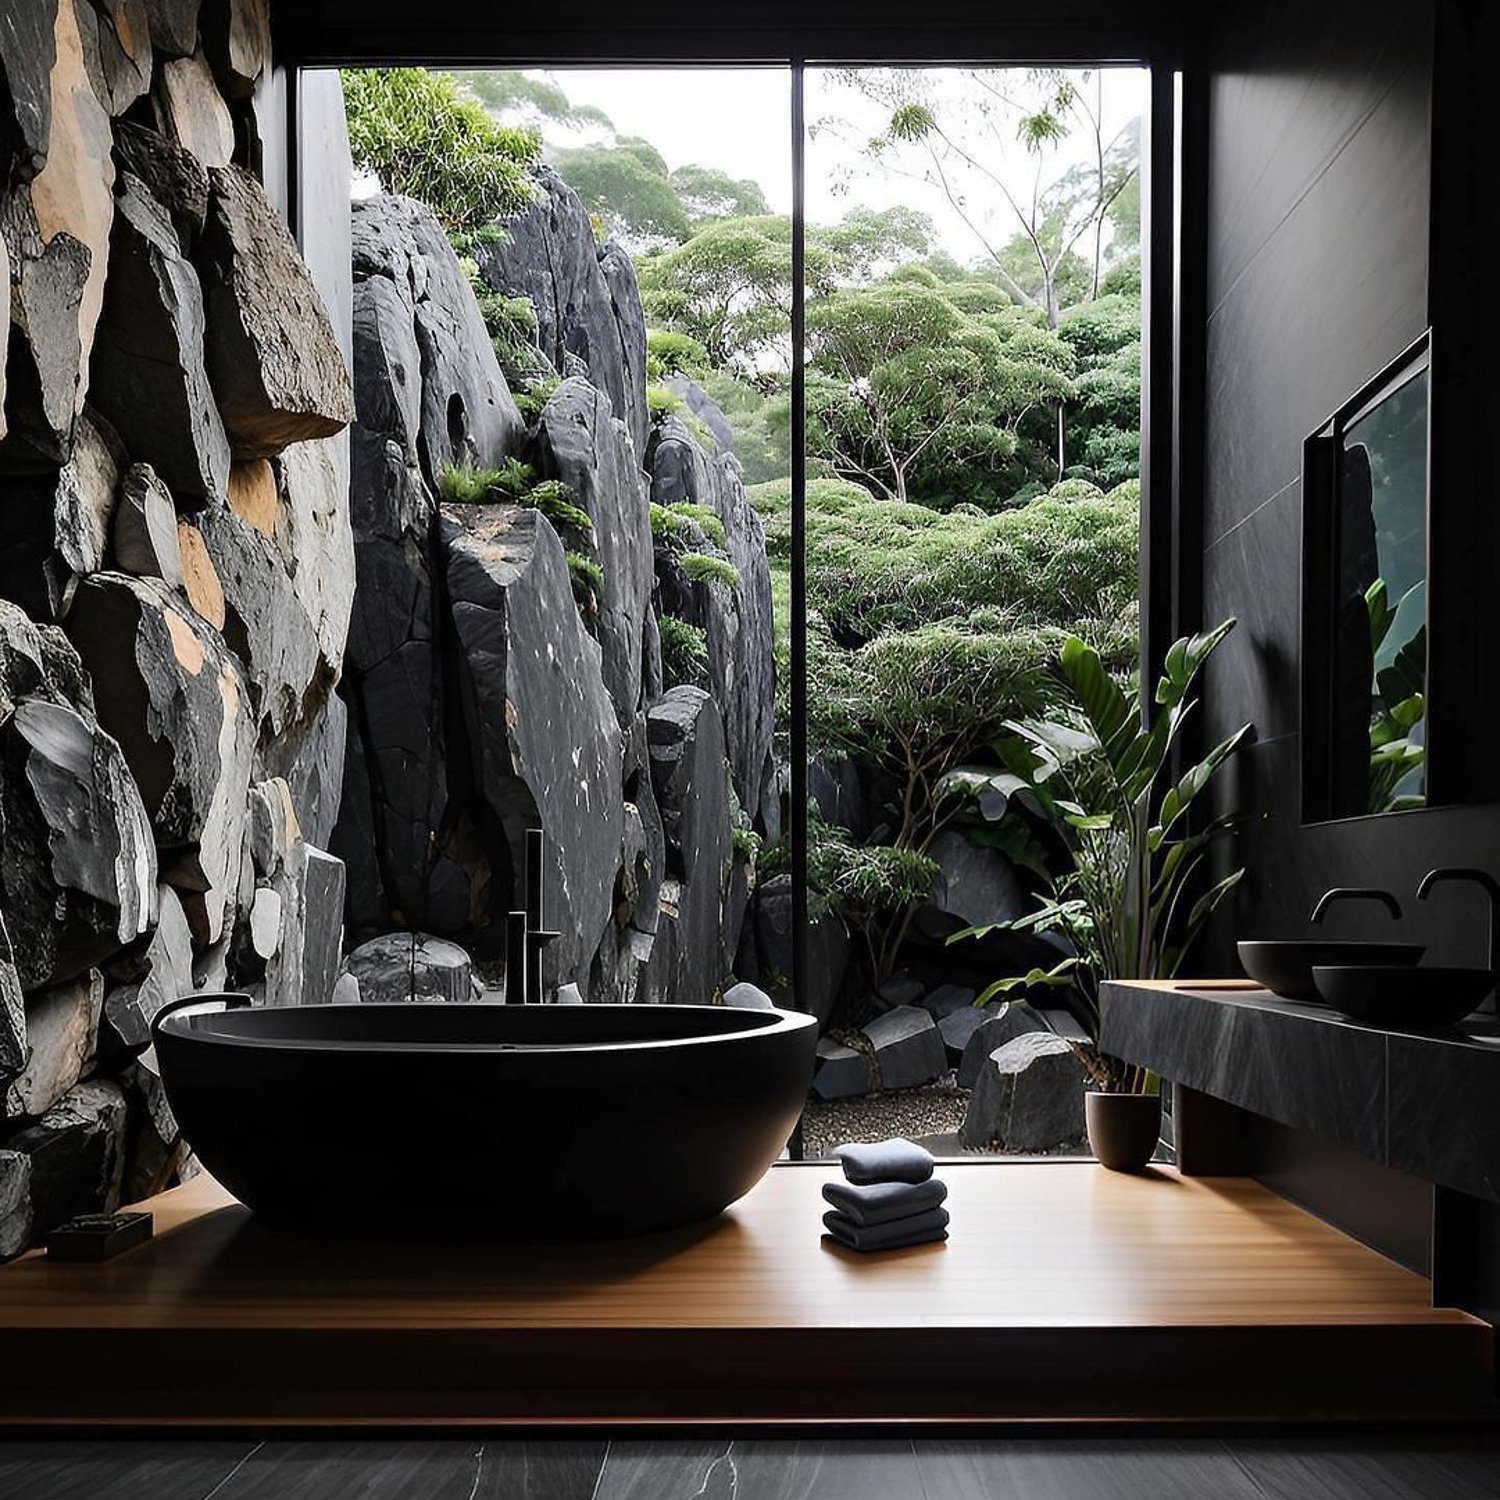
1123 1128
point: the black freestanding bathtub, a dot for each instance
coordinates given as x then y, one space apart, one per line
507 1122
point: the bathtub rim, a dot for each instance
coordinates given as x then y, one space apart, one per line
216 1003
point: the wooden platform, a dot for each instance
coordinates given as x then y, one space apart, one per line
1064 1291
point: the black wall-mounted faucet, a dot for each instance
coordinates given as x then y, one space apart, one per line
1354 893
525 936
1488 884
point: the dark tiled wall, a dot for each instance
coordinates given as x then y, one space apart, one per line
1318 226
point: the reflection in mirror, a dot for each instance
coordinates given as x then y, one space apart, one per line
1373 562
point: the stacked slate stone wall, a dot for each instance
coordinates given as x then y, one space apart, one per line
504 669
176 577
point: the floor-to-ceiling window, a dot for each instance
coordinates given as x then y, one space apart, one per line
806 583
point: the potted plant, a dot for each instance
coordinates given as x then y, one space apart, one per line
1099 768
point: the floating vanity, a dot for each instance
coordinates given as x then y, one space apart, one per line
1253 1073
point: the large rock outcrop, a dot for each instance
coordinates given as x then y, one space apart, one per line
588 308
736 618
537 715
428 393
581 443
686 740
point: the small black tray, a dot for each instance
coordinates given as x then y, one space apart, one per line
94 1237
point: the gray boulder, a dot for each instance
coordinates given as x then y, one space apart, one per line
1028 1097
28 52
59 205
174 26
61 1024
75 1158
273 359
175 698
767 948
705 409
946 999
908 1048
163 974
585 447
315 540
737 621
145 528
976 886
685 738
237 38
275 640
12 1010
149 376
467 413
587 306
15 1203
174 177
840 1071
116 44
404 966
545 738
997 1025
188 107
748 997
78 877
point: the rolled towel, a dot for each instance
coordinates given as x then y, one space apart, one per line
916 1230
880 1202
895 1160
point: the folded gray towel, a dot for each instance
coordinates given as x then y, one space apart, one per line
895 1160
880 1202
916 1230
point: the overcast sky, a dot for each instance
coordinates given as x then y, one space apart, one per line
739 120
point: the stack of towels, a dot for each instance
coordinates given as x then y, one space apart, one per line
890 1198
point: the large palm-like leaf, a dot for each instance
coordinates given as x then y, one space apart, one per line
1137 894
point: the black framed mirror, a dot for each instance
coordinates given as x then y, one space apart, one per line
1366 476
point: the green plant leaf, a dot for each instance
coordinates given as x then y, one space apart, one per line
1184 660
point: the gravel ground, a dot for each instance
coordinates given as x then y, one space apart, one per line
931 1115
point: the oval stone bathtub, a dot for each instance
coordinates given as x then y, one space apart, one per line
503 1121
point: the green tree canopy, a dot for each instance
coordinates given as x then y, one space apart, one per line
420 135
626 187
908 392
707 194
730 284
529 99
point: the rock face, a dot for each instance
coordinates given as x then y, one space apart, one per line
78 872
151 381
276 369
588 309
1028 1097
172 626
175 698
978 885
582 444
686 741
736 620
994 1030
536 712
58 209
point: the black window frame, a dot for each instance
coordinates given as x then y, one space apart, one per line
792 35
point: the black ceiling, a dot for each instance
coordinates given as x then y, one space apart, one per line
470 32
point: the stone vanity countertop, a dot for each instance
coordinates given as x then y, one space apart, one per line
1421 1102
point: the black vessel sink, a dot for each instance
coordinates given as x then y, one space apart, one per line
504 1122
1419 999
1286 968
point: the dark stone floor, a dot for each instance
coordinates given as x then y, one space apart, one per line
992 1468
